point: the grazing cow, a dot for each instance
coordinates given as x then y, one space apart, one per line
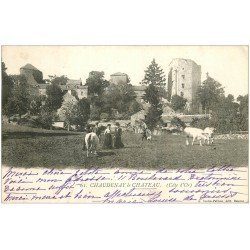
91 141
195 133
209 131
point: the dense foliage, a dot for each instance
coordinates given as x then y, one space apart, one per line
227 116
7 85
118 101
155 79
209 94
54 97
154 75
178 103
19 99
60 80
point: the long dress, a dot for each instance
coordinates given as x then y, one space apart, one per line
118 138
144 131
107 139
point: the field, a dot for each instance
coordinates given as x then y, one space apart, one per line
26 147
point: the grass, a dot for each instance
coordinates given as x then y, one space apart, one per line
25 147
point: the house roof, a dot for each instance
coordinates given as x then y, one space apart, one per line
29 66
64 87
72 87
119 74
183 59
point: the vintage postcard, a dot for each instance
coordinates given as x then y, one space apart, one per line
124 124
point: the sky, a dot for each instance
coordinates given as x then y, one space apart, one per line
226 64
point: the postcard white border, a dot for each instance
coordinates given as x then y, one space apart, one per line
125 226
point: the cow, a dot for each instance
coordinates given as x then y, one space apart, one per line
91 141
195 133
209 131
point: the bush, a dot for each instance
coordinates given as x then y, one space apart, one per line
201 123
178 122
104 116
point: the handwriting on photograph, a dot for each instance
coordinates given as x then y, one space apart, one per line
98 185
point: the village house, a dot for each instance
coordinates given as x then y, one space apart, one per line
38 85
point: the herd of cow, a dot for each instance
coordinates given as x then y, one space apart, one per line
91 139
199 134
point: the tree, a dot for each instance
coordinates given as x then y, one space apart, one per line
67 110
134 107
104 116
36 104
95 112
7 85
19 102
120 97
38 76
170 84
81 113
96 83
54 97
225 116
154 75
156 81
152 95
177 122
243 112
201 122
59 80
45 118
178 102
209 94
153 116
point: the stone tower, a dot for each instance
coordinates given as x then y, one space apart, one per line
34 77
118 77
183 79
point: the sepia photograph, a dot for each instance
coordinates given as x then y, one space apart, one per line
98 118
124 124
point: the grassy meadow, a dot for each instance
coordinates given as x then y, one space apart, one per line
27 147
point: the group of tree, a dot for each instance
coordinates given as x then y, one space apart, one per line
18 99
118 101
108 100
105 100
227 114
15 97
75 112
178 103
156 92
209 94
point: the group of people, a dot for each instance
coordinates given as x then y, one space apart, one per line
111 140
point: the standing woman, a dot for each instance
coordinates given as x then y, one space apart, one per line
107 138
144 130
118 136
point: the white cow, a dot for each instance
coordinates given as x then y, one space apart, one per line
209 131
195 133
91 142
